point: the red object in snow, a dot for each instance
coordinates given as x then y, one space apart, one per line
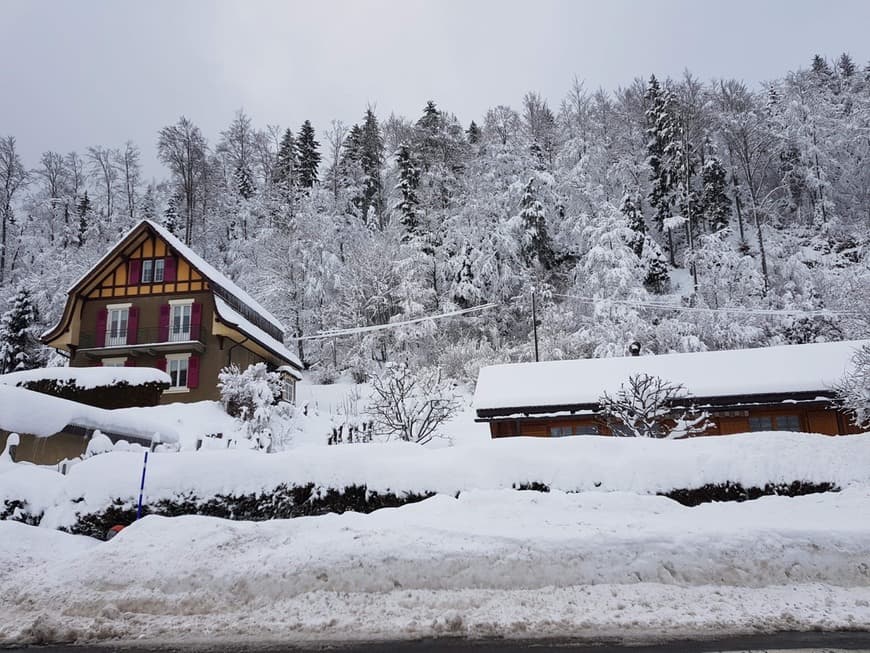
112 532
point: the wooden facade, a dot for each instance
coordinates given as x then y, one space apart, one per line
146 304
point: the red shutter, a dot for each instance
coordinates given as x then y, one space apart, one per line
195 321
130 363
163 324
134 271
161 364
132 325
100 335
169 268
193 372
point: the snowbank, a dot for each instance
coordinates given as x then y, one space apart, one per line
571 464
88 378
25 411
784 369
498 563
192 421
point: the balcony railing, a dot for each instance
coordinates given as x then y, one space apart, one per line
154 336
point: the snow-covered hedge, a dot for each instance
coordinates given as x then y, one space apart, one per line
312 480
103 387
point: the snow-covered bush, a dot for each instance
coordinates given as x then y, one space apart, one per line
254 397
411 404
853 390
650 407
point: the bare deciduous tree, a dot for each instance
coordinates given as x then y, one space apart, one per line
127 162
853 390
13 177
182 147
102 166
411 405
650 407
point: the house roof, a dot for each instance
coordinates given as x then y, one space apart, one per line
782 370
231 317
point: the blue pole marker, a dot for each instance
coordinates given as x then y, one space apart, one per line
142 487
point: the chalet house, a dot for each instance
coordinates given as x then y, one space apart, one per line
153 302
785 388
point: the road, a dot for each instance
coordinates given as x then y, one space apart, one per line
780 642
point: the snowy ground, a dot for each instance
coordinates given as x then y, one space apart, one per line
490 563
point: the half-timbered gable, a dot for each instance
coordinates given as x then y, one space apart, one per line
152 301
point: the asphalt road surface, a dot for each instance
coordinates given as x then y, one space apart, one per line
781 642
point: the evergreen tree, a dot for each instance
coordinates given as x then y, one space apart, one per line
83 210
845 66
244 182
635 221
371 152
170 216
285 172
535 246
409 179
464 292
656 277
18 345
308 156
473 133
149 204
715 201
659 132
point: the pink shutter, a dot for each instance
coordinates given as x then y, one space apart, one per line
134 272
163 324
100 336
161 364
130 363
132 325
195 321
169 269
193 372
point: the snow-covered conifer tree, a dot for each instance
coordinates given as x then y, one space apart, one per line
18 344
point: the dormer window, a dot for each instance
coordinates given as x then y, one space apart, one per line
152 270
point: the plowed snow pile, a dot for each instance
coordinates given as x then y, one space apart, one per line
504 562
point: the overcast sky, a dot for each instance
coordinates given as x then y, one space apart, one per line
102 72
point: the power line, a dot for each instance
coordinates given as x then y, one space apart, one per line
769 312
336 333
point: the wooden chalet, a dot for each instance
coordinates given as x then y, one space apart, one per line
785 388
153 302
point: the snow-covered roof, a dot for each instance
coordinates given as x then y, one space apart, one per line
769 370
229 315
212 274
88 377
26 411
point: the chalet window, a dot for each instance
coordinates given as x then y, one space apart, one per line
152 270
760 424
788 423
115 362
577 429
183 371
180 321
116 325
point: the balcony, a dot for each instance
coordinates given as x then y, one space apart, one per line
147 341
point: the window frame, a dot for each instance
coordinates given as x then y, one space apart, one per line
177 359
148 273
181 304
117 309
115 361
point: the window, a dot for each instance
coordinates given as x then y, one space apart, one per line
576 429
178 367
152 270
760 424
114 362
288 392
788 423
181 313
117 320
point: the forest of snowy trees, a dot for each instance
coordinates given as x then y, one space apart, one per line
628 214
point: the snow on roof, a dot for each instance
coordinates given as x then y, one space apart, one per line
783 369
214 275
26 411
231 316
88 377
